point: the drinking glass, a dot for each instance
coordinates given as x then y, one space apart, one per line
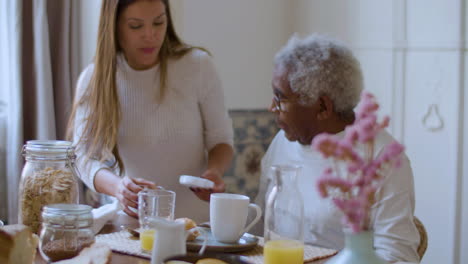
153 203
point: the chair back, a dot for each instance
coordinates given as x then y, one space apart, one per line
423 237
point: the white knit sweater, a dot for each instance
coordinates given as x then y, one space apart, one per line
159 142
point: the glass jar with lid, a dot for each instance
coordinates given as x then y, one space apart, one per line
66 230
49 176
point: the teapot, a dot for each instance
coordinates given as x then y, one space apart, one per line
170 238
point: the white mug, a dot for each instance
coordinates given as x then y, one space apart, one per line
228 216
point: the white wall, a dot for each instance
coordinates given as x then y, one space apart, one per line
433 70
463 186
243 36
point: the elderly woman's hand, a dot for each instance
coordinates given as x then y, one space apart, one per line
127 193
214 176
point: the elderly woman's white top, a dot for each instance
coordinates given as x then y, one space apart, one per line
160 142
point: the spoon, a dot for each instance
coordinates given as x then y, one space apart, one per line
205 224
132 231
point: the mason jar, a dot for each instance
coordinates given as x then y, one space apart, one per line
49 176
66 230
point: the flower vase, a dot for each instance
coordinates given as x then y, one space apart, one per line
359 249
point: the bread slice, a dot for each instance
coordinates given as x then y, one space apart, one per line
210 261
17 245
95 254
189 226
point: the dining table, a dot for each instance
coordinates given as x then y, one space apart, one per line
115 225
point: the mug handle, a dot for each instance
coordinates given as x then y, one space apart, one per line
258 215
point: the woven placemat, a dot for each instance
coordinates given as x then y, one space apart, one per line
123 242
311 253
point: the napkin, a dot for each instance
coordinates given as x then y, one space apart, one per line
104 214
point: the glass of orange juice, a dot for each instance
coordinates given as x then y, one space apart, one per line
147 239
153 203
283 251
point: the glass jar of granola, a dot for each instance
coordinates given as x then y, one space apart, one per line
49 176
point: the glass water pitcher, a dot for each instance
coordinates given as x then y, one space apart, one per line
284 218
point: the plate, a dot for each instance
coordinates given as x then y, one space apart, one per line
231 259
196 182
246 242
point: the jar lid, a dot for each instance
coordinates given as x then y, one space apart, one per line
48 146
58 149
68 215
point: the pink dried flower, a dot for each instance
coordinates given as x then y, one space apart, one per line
366 128
351 135
331 146
325 143
366 106
333 182
390 152
345 151
385 122
355 216
365 173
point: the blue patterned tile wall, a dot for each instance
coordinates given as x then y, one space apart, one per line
253 132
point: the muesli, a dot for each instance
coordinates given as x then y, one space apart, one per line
47 186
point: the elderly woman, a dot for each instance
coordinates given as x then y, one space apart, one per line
149 109
316 84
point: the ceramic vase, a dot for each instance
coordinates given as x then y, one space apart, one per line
358 249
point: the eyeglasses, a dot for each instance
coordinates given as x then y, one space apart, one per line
278 104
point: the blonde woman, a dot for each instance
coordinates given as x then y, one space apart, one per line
150 108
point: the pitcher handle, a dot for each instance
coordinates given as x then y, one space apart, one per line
258 215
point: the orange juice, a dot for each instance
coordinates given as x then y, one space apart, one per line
283 251
147 239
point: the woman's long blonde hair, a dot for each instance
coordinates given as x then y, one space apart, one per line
100 133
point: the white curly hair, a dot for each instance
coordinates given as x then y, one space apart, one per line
318 65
